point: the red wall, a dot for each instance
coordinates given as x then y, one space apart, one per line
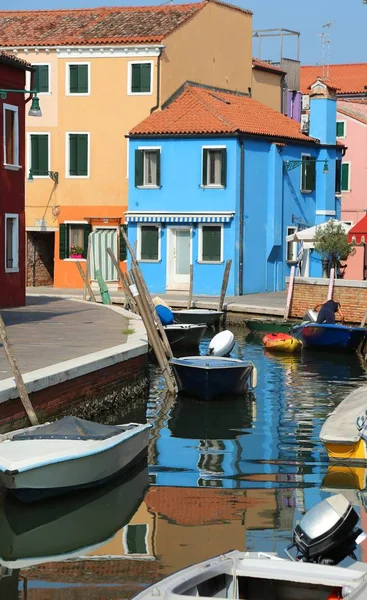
12 285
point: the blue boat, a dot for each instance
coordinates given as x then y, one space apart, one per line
325 336
207 377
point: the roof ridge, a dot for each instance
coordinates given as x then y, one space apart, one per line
353 115
107 9
209 108
357 64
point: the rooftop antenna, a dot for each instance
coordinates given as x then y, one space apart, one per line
326 44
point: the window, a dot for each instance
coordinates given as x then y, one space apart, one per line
305 102
148 167
308 173
78 155
140 78
149 242
77 78
291 246
340 129
345 177
338 174
210 243
136 539
214 167
11 135
76 235
41 78
11 243
39 154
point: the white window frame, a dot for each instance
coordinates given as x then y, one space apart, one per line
129 77
29 152
150 148
67 223
290 230
67 155
200 244
211 186
305 101
124 539
342 137
346 162
44 64
67 79
157 226
14 269
304 155
15 166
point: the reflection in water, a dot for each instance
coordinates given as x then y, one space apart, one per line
233 473
9 580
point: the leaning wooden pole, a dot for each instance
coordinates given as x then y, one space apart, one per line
17 375
331 284
86 282
190 286
290 293
224 284
130 302
152 332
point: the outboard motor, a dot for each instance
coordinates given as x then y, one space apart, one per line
327 533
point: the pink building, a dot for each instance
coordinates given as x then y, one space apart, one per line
351 128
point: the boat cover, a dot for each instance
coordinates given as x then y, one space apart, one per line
347 423
70 428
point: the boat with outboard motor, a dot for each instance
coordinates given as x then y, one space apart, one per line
325 535
221 344
327 336
197 315
67 454
182 336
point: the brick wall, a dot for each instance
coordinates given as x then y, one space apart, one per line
90 396
352 296
40 258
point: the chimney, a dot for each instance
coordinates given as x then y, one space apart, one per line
323 111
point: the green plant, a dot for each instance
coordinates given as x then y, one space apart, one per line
331 242
76 249
128 331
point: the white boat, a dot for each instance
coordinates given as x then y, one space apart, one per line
324 537
221 344
197 315
67 454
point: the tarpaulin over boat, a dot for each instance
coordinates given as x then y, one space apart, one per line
347 423
71 428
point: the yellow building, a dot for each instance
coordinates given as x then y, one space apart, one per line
99 72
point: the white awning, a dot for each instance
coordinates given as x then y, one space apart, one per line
101 239
308 235
182 217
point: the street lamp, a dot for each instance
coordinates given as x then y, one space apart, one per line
34 110
288 165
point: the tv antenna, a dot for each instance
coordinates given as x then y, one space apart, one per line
326 45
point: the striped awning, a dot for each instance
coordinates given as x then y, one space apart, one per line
150 217
101 239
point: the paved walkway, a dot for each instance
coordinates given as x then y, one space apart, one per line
272 303
52 330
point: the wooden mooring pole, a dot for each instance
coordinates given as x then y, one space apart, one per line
224 284
17 375
290 293
86 281
191 286
129 298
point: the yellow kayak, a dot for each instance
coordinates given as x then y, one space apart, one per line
281 342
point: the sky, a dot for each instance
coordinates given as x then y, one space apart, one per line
348 30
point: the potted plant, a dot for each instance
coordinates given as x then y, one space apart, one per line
331 242
76 251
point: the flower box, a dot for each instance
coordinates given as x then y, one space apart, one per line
76 256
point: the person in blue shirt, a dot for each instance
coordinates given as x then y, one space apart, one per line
328 310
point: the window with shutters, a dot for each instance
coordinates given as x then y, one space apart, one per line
211 243
11 243
148 167
340 129
149 243
135 538
77 79
214 171
338 176
74 239
291 246
308 173
39 154
140 78
346 177
41 78
11 135
77 154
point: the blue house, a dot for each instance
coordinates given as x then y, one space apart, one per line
216 175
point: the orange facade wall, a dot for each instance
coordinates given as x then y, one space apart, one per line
266 88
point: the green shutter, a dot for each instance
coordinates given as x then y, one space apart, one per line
223 174
340 129
135 539
73 79
149 243
63 247
139 158
40 79
82 154
36 78
123 250
87 230
158 177
39 154
82 79
310 174
34 153
145 77
135 78
211 243
345 177
205 167
73 144
338 171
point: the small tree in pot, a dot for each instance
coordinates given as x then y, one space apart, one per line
331 242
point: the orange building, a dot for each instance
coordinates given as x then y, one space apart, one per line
99 72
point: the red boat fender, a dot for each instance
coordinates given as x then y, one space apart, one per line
335 595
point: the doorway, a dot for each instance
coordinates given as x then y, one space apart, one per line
178 258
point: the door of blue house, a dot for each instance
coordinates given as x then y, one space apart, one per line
178 258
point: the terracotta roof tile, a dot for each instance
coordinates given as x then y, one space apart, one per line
265 66
326 81
19 63
353 115
350 78
201 110
105 25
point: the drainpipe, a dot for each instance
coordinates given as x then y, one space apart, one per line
242 207
158 81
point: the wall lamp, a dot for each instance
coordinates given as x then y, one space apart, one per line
54 175
34 110
289 165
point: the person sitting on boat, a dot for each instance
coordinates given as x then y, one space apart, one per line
328 311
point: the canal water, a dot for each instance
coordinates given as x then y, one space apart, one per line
231 474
